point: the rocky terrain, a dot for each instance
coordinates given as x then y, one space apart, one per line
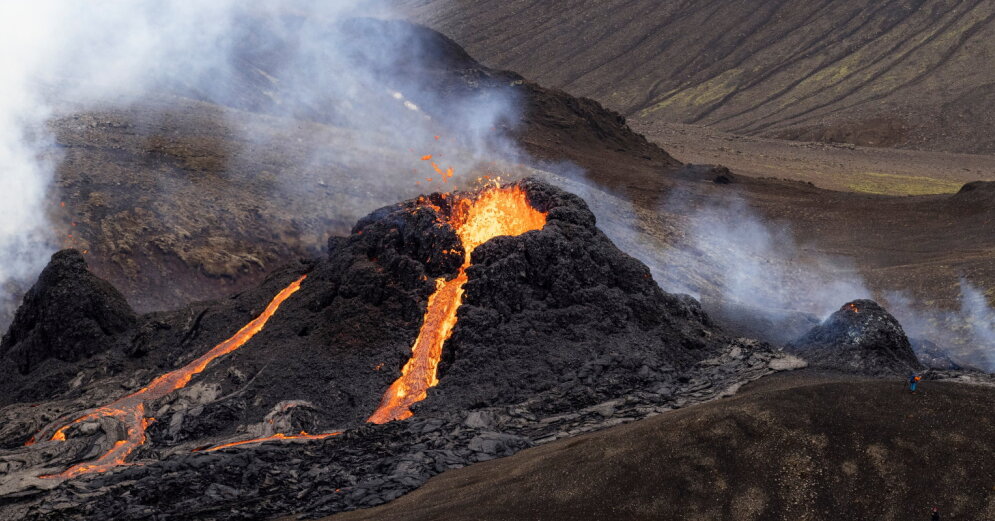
802 445
244 290
571 333
862 337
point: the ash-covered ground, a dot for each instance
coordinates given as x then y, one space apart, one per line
559 333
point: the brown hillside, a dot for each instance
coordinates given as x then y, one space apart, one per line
789 447
881 73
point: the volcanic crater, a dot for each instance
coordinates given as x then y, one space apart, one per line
487 321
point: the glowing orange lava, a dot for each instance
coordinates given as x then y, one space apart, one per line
494 212
853 307
278 436
130 410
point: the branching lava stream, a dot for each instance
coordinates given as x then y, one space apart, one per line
494 212
130 410
476 218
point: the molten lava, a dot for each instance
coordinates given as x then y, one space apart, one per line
130 410
494 212
853 307
278 436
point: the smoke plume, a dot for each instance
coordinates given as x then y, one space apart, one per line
966 334
713 246
338 65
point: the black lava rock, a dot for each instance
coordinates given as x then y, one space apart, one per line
717 174
932 355
861 337
69 314
559 332
541 307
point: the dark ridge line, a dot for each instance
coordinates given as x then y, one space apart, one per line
796 82
573 78
658 27
687 63
666 21
743 59
745 35
518 42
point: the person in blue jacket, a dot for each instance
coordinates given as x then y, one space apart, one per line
913 381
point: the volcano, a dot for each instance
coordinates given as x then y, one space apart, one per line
860 337
446 329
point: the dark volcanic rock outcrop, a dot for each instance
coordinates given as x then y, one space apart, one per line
932 355
69 314
559 333
717 174
563 305
861 337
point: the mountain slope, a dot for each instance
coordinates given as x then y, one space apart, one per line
889 73
795 446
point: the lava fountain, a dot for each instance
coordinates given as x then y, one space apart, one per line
130 410
493 212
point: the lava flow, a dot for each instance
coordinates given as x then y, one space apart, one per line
130 410
494 212
278 436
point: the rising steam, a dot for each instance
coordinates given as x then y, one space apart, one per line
760 264
716 247
298 61
967 334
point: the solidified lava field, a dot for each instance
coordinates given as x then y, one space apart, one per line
275 298
488 321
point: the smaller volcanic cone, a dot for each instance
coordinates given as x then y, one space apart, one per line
862 337
69 314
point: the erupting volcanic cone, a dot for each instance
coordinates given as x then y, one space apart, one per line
476 218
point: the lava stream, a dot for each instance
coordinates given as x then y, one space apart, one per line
278 436
494 212
130 410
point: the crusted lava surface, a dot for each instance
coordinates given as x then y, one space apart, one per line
860 337
802 445
560 332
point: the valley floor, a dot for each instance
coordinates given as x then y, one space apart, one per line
843 167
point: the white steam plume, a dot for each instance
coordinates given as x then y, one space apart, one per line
24 176
744 260
296 60
966 334
715 246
